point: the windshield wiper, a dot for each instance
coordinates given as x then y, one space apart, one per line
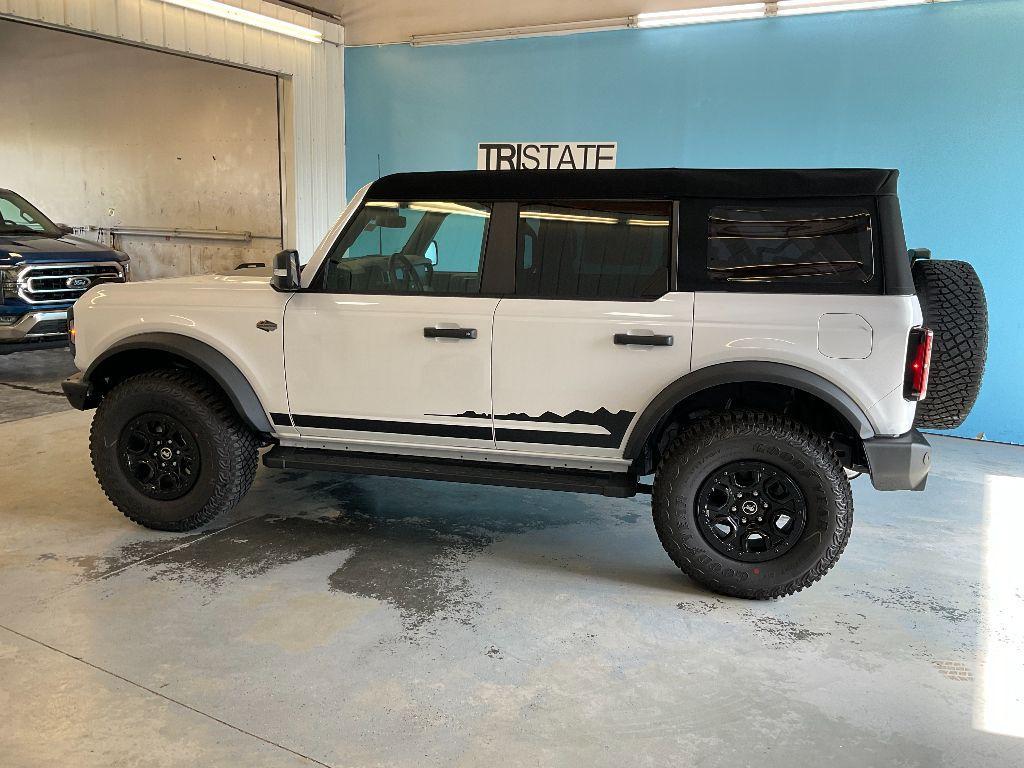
22 231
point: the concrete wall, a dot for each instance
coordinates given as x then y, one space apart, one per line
936 91
104 134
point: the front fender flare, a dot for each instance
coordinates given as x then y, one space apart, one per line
204 357
739 372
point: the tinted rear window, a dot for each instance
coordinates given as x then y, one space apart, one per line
790 244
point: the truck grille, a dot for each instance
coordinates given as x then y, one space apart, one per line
45 283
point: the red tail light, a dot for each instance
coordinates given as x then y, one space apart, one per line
919 360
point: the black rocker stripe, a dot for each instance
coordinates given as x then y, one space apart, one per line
547 437
393 427
281 419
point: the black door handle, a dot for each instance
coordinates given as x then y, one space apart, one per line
449 333
646 341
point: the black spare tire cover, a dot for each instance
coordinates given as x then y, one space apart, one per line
954 307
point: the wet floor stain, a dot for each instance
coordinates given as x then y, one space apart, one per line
95 567
851 625
918 602
411 551
776 630
783 632
700 607
402 542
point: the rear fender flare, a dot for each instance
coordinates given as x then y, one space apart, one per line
739 372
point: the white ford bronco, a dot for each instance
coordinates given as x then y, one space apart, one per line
752 339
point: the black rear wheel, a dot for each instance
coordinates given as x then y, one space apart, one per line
170 452
751 511
752 505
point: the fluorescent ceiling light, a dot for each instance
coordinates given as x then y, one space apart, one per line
249 18
583 219
701 15
444 207
647 222
736 12
803 7
534 30
547 216
767 9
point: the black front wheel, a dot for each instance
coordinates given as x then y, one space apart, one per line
752 505
170 452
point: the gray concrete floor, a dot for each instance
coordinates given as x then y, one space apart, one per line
30 382
362 622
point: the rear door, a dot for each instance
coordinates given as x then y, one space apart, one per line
592 332
391 343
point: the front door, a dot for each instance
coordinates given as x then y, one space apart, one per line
391 343
593 332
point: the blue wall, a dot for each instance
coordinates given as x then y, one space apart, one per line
936 91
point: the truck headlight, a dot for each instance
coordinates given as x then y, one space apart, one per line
8 282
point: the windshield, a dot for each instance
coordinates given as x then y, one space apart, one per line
19 216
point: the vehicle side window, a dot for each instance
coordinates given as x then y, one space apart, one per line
410 247
785 245
593 250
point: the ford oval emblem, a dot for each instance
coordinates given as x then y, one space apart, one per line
78 283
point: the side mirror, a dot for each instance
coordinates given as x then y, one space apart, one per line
286 271
65 229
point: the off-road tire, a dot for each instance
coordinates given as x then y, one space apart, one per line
228 449
954 307
701 449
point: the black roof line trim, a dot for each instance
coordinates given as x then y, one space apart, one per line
649 183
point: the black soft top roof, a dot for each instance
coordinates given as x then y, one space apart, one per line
647 183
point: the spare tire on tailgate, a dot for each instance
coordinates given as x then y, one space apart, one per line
954 307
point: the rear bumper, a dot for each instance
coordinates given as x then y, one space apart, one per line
40 325
899 463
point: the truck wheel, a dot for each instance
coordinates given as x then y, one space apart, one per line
752 505
170 452
954 307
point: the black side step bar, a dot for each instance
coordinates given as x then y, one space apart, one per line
617 484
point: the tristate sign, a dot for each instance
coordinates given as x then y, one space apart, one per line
537 155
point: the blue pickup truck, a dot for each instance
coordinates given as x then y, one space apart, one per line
43 270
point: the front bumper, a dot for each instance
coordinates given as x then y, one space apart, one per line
41 325
78 392
899 463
